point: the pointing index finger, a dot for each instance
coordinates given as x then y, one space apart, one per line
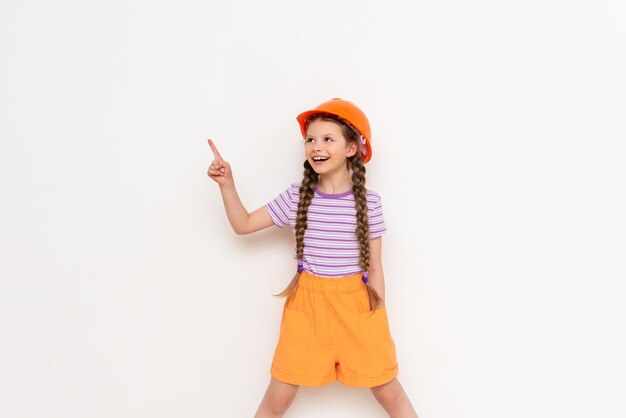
215 151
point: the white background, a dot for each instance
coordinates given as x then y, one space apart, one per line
498 151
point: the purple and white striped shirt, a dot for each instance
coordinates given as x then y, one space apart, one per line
331 248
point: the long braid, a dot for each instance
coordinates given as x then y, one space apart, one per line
362 219
307 190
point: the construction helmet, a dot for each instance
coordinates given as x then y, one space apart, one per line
349 113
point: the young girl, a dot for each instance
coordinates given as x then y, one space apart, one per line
334 322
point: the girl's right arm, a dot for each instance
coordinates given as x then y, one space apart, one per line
239 218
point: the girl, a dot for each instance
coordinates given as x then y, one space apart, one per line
334 322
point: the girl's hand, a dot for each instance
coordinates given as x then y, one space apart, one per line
219 170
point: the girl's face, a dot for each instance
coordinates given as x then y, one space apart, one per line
325 139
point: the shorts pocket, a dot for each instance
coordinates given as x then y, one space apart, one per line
378 345
293 350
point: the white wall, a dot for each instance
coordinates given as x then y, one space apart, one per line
498 135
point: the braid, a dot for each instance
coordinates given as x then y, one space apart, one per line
362 219
307 189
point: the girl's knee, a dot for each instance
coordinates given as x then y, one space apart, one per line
388 392
280 396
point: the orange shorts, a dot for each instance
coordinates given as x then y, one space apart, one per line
328 333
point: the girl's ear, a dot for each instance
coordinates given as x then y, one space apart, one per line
352 147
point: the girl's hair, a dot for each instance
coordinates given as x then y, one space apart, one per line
307 189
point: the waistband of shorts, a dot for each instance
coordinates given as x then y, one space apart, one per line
345 284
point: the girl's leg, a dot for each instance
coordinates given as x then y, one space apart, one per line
278 397
394 400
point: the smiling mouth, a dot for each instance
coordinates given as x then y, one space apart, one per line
319 160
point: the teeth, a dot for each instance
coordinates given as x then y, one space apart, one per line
320 158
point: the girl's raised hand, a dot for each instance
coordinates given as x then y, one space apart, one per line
219 170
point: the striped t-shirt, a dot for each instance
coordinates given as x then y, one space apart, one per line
331 247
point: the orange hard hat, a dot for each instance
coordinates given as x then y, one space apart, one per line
349 113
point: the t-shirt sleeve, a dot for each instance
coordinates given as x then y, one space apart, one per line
280 206
376 220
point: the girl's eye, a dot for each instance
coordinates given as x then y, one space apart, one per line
311 139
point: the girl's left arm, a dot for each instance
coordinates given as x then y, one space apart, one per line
375 274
